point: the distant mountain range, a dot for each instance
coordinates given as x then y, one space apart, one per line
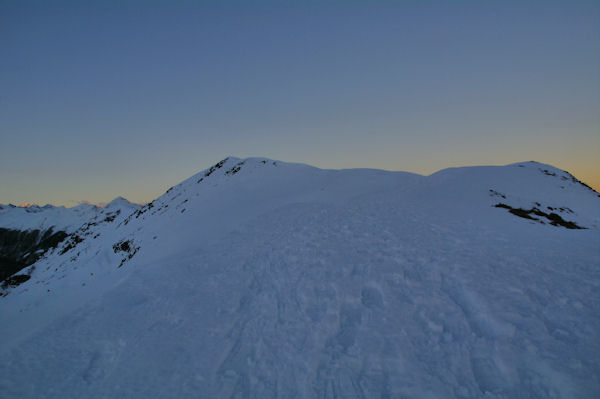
27 233
261 278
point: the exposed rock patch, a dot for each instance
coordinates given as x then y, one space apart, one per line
552 218
127 248
19 249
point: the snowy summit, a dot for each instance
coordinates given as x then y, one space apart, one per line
260 278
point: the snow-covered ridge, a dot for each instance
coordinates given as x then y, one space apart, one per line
261 278
235 191
29 233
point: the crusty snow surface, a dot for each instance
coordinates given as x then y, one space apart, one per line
263 279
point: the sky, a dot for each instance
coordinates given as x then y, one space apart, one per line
108 98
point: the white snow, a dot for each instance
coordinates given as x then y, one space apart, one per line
267 279
57 217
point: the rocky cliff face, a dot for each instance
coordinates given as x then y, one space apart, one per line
19 249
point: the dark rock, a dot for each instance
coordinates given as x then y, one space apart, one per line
553 218
20 249
15 280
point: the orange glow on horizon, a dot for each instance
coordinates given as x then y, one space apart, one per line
27 205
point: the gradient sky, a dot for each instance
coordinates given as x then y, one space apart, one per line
107 98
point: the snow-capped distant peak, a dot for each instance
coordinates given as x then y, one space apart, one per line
85 206
120 202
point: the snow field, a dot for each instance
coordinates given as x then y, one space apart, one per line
295 282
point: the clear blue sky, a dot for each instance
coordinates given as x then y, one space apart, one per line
107 98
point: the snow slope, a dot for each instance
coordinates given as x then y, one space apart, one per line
27 233
258 278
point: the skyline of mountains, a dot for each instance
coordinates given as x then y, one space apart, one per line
34 206
261 278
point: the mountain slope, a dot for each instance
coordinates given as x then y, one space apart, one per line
258 278
27 233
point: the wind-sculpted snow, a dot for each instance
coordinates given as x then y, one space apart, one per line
267 279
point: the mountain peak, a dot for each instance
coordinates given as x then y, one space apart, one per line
120 202
260 278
